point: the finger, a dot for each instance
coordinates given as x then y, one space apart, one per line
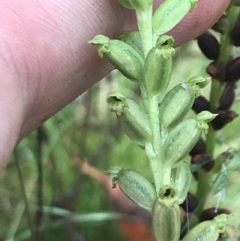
11 117
47 59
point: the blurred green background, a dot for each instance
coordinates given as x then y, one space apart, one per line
42 188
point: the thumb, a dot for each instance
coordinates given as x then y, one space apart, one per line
11 118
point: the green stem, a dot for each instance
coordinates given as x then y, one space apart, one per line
144 98
166 175
153 150
156 166
156 141
205 179
39 163
23 191
204 185
217 87
154 119
144 21
210 141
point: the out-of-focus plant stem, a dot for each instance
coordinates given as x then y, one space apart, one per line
204 178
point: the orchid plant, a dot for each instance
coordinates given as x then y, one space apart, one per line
159 125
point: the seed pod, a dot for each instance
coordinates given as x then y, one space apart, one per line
178 102
223 118
217 71
180 141
181 177
158 66
184 137
207 230
137 188
140 5
170 13
175 105
205 160
200 147
233 70
190 203
132 38
166 222
209 45
235 35
200 104
133 119
211 213
227 97
121 55
222 25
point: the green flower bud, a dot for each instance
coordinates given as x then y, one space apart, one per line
179 101
181 140
199 81
132 38
206 116
158 66
137 188
181 180
170 13
203 118
121 55
208 230
133 119
140 5
166 222
167 195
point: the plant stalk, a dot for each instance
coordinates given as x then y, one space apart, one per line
217 87
205 179
155 165
144 21
153 150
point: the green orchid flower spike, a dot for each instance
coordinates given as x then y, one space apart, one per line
161 125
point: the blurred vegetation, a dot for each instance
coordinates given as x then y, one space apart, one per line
43 196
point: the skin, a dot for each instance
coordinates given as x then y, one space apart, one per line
46 62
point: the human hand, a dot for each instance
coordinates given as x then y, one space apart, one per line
46 62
